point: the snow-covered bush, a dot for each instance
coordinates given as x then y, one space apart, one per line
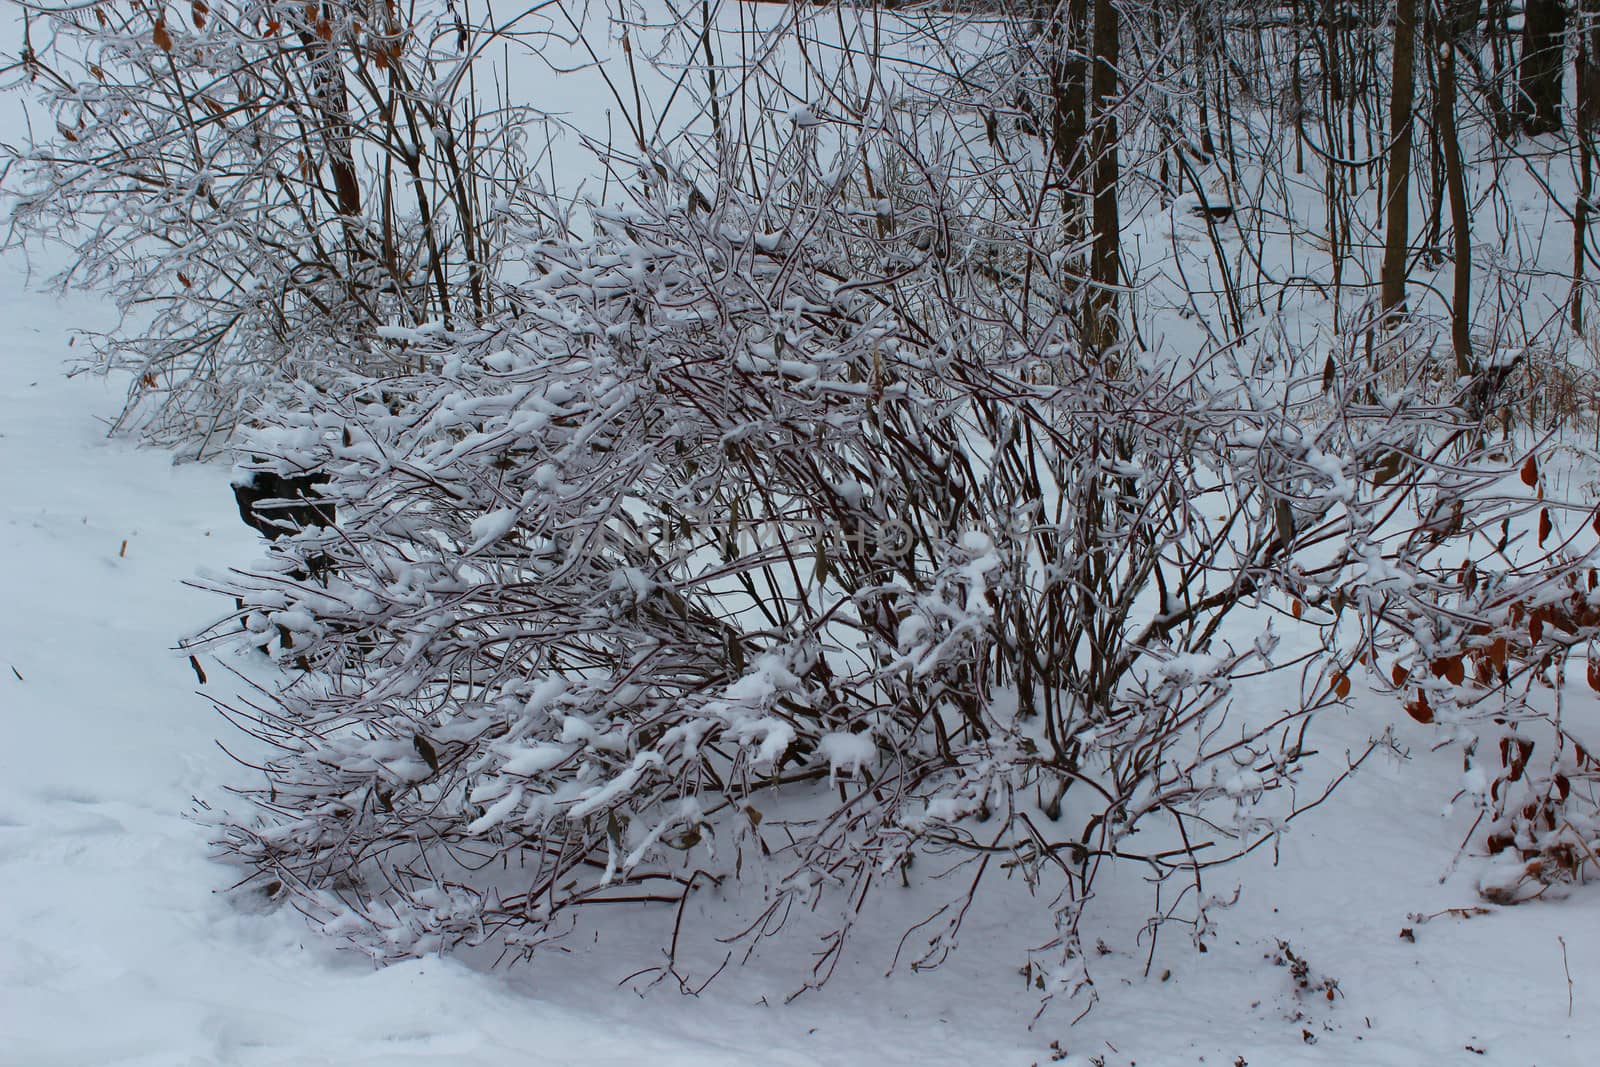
264 186
785 534
1520 617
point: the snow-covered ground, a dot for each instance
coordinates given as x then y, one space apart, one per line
116 946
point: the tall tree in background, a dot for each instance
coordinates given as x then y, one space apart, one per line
1587 63
1451 21
1080 59
1544 30
1105 265
1064 30
1398 193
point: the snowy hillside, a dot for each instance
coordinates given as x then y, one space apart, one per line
115 947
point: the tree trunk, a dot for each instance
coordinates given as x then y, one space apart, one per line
1105 260
1544 30
1500 51
1397 199
1588 113
1447 32
326 80
1064 31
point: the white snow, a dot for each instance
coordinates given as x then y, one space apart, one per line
531 760
489 528
847 752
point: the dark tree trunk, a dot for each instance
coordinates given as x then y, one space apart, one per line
326 76
1065 33
1499 34
1544 32
1588 114
1105 268
1447 33
1397 198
